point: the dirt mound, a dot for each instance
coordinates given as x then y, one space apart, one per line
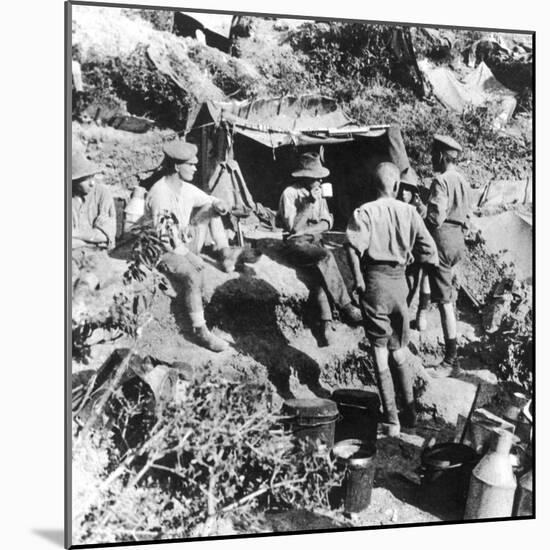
126 159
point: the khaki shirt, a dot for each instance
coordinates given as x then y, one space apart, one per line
95 211
449 199
297 201
388 230
162 199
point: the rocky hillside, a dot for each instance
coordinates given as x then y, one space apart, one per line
132 64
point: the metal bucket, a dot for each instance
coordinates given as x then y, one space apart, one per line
359 458
312 419
358 414
445 470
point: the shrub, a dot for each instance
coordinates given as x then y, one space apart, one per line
355 52
280 68
510 348
215 453
229 74
135 81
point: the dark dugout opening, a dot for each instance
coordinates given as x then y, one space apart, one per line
352 163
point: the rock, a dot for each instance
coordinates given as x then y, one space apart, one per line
446 398
495 311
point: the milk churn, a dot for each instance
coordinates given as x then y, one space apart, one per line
492 483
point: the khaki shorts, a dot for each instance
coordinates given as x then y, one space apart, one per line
449 239
384 306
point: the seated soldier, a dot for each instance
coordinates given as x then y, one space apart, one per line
197 215
93 218
304 214
93 208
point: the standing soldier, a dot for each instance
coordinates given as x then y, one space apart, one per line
304 215
384 236
448 208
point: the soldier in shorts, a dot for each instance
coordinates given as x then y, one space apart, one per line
448 208
383 237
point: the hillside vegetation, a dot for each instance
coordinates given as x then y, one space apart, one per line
351 62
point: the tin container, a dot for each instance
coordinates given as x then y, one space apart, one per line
359 458
313 419
492 483
358 414
445 469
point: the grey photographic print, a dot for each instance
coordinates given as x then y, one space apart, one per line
301 274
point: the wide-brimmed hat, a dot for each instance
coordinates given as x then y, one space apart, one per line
446 143
408 178
309 166
81 167
180 150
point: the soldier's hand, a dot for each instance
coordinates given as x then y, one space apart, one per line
220 207
196 261
359 288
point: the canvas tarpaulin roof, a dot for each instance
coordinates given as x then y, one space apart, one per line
478 87
289 120
511 233
266 136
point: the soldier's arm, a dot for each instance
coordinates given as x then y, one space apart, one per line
286 215
437 204
424 247
354 262
105 222
357 242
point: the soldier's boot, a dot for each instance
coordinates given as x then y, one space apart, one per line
352 314
390 423
405 378
326 334
203 337
228 257
449 366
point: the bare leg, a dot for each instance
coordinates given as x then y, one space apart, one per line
217 233
423 302
425 285
207 227
448 320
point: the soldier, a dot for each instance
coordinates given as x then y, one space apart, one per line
447 210
409 193
304 215
93 208
197 218
383 237
93 225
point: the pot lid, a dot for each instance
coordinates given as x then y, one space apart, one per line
360 398
310 407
